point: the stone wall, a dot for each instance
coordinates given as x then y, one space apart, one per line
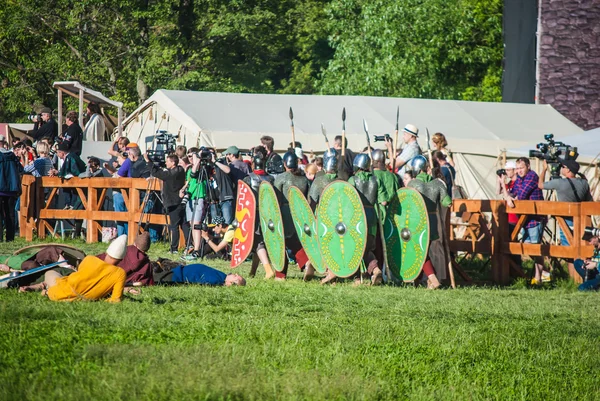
570 59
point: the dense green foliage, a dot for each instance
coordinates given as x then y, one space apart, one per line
129 48
297 341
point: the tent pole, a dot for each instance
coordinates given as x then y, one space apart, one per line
120 121
503 158
60 110
80 106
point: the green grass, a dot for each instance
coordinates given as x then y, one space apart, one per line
296 341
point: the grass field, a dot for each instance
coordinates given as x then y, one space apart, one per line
296 341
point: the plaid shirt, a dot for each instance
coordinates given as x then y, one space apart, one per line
526 188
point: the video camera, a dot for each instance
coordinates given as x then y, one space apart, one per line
381 138
164 144
205 157
589 232
553 151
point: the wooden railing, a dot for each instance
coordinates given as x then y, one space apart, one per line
487 232
36 213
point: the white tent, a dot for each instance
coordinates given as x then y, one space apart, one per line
477 132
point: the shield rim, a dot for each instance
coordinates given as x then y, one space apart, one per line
426 253
364 220
74 253
278 210
295 194
252 217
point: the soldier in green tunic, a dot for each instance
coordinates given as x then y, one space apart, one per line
293 177
434 194
330 163
388 183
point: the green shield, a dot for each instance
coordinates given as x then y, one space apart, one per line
406 232
306 227
341 228
271 225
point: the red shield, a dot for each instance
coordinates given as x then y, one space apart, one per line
245 218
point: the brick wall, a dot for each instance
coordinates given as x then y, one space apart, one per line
570 59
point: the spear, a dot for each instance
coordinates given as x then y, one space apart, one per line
292 127
344 132
395 147
324 132
429 148
366 128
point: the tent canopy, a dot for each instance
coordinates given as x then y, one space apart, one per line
222 119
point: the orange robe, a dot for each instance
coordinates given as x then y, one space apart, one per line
94 280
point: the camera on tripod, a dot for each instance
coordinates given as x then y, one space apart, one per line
164 144
381 138
589 232
552 151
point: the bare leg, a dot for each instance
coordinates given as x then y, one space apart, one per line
263 256
330 277
309 271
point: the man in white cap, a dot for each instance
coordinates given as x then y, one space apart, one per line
95 278
410 150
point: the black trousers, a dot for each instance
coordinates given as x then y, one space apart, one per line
176 220
7 217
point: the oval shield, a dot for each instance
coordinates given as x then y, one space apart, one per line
245 218
406 231
271 225
306 227
341 228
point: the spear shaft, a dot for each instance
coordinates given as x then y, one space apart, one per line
292 127
395 146
344 132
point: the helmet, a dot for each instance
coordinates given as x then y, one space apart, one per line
331 152
418 164
259 161
330 164
378 155
361 161
290 160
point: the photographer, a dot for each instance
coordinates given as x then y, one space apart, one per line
274 160
73 136
588 269
193 194
173 178
225 190
238 169
410 150
46 128
219 241
568 189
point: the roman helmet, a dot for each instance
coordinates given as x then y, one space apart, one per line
361 161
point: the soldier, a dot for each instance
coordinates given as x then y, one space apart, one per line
254 179
330 163
293 177
367 185
388 182
345 169
434 194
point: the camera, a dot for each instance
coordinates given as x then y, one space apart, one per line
186 198
589 232
381 138
164 144
552 151
33 117
501 172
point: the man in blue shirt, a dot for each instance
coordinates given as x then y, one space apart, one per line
165 273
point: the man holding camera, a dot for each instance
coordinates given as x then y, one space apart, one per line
173 178
568 189
46 128
239 169
411 148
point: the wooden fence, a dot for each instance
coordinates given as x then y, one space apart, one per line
486 227
485 222
36 213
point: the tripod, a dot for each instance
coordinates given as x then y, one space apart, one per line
145 210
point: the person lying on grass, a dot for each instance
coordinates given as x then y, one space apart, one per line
95 279
136 262
169 272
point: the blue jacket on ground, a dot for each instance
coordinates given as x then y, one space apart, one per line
198 274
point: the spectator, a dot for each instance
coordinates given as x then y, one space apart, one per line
196 188
440 144
73 137
446 169
10 188
3 143
181 151
345 168
274 161
589 269
526 188
225 191
118 148
95 128
173 178
239 169
93 169
218 243
410 150
46 128
41 166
